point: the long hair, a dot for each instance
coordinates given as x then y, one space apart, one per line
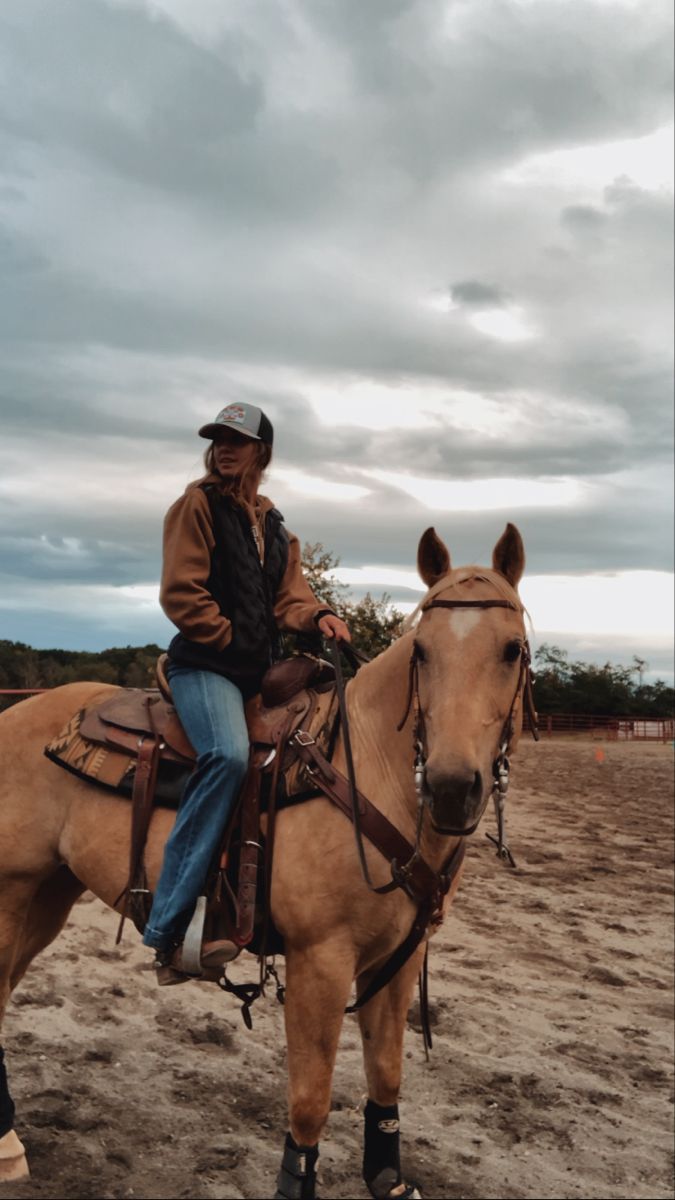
240 485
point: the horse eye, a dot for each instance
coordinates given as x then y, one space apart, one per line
512 651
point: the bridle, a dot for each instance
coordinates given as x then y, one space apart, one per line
500 766
403 873
409 871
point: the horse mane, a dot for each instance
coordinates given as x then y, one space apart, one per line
456 578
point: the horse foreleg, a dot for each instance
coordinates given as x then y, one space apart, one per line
318 980
383 1022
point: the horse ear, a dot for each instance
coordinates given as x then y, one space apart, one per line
508 556
433 560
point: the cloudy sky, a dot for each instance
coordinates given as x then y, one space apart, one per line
432 238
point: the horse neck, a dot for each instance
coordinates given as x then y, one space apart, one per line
383 756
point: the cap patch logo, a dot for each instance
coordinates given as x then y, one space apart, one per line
233 412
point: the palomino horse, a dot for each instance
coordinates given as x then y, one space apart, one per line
59 835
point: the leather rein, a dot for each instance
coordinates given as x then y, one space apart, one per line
409 871
426 887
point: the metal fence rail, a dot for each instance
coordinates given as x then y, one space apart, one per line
623 729
626 729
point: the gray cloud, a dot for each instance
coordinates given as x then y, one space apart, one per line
475 294
584 218
266 204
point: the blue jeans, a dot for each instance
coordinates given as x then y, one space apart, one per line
211 709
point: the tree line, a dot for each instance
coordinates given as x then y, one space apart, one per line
560 685
579 687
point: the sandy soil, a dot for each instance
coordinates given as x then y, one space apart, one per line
551 997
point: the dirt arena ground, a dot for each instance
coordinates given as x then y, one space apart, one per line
551 1074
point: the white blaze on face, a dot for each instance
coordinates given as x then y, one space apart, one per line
463 620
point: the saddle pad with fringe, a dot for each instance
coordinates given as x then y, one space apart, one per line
114 770
110 768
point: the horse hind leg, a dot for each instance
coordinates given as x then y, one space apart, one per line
47 914
383 1022
28 923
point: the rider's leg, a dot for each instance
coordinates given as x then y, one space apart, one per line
211 710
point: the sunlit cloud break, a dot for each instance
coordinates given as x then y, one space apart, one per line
483 495
601 603
317 488
506 325
647 161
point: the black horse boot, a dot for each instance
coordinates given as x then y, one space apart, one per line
297 1177
381 1157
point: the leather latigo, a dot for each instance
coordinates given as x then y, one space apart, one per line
249 855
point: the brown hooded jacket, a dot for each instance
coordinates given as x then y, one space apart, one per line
188 544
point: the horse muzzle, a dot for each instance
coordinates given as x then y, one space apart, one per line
456 799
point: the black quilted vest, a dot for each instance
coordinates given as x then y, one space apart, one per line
245 591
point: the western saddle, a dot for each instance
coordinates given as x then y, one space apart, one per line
143 724
293 726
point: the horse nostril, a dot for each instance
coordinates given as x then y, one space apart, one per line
458 787
455 797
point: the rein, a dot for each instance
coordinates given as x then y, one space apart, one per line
415 877
408 869
426 887
351 775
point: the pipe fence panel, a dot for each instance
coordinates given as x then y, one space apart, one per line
622 729
626 728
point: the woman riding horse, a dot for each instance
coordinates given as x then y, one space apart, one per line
231 580
433 722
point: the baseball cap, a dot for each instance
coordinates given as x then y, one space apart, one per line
247 419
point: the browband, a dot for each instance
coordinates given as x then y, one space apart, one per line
470 604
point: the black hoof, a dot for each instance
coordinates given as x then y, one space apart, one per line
383 1186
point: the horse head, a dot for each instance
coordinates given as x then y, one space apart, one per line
470 661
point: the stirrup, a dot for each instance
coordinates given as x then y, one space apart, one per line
191 956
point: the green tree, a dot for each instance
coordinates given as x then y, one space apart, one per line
318 563
581 687
141 670
640 665
373 623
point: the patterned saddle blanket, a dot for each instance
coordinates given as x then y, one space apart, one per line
101 743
